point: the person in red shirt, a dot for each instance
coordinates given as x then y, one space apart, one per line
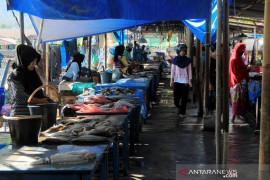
238 81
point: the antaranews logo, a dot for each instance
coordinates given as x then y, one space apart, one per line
225 173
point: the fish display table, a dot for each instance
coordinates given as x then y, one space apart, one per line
123 122
16 163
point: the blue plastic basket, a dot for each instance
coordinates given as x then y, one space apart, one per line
78 87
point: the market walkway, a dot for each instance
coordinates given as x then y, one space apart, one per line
167 140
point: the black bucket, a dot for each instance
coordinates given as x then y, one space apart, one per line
48 112
24 130
106 77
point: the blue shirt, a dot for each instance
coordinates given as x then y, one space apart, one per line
73 71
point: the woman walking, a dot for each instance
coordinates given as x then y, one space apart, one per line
181 79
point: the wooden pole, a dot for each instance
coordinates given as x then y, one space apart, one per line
264 152
40 33
225 61
218 84
255 47
90 51
105 49
198 77
22 27
190 54
47 66
206 64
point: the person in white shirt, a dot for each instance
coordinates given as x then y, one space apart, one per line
74 68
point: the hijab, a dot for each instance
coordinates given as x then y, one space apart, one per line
29 79
119 50
181 61
237 68
78 58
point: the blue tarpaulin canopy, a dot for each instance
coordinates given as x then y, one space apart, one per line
197 26
64 19
150 10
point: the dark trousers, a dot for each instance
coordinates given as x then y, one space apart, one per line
180 93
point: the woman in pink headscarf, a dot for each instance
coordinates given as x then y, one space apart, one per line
238 78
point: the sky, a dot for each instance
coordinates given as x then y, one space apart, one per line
7 19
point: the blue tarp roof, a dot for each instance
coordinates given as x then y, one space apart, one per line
64 19
151 10
197 26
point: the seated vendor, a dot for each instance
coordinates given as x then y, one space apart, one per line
24 80
74 67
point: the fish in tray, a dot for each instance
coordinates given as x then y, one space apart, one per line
90 138
57 139
53 129
72 157
106 131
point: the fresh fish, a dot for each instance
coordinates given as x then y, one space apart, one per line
90 138
72 157
57 139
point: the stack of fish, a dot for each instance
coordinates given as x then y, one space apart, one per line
91 131
117 91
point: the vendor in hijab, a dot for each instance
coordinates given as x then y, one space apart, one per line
119 58
24 80
181 79
238 82
74 68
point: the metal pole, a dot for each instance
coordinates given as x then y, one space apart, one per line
226 59
105 51
22 27
90 51
218 84
207 59
40 33
123 39
264 152
198 77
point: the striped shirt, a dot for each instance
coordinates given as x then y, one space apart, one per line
181 75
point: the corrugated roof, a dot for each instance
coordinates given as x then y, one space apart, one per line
14 33
7 41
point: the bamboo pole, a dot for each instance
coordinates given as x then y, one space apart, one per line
47 66
105 51
190 54
206 66
40 33
255 47
264 152
90 51
225 62
218 84
198 77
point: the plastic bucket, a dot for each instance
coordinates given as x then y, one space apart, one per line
48 112
106 77
24 130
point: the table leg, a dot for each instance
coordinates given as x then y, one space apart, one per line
116 159
137 123
125 147
104 167
132 131
258 113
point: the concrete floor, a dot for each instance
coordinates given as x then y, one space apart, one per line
167 140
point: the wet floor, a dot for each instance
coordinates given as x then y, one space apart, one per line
167 141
